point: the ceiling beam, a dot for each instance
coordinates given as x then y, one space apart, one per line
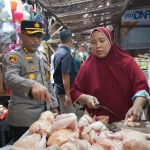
41 3
91 18
97 10
64 4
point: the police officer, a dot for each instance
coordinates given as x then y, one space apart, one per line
26 73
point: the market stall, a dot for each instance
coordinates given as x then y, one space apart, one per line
64 132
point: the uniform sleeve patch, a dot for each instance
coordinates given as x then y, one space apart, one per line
12 59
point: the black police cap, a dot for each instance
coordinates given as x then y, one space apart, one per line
32 26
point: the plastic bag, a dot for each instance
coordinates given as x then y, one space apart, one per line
10 147
2 4
5 13
8 28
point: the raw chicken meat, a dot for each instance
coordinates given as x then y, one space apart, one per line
95 125
102 135
103 119
84 145
41 126
130 123
32 142
92 134
42 143
109 144
67 146
47 115
61 136
66 121
85 137
52 147
84 121
80 144
132 140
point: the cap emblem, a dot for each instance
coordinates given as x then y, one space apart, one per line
37 25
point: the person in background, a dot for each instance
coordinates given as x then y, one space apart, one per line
89 54
52 67
76 62
64 72
111 78
26 73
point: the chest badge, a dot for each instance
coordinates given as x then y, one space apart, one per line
32 67
12 59
31 76
28 58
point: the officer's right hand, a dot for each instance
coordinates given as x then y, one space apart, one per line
40 92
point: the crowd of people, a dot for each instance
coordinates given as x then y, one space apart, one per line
108 77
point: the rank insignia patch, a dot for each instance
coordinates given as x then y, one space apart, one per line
28 58
32 67
25 50
31 76
12 59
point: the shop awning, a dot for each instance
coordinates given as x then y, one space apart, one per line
77 15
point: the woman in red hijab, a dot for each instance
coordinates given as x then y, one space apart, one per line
112 78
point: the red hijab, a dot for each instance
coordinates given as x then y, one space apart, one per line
113 80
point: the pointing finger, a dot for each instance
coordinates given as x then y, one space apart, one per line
48 98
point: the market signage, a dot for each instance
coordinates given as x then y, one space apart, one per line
136 15
135 38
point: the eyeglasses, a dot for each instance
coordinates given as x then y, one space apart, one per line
34 36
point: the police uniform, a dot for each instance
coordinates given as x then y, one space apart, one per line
20 69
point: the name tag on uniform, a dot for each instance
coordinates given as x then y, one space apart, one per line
30 61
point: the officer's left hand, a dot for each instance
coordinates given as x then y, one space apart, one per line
55 110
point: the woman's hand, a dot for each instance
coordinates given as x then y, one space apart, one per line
136 109
91 101
135 112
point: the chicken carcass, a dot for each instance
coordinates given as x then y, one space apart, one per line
103 119
132 140
130 123
61 136
80 144
84 121
97 125
41 126
32 142
66 121
103 135
109 144
47 115
52 147
84 145
67 146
